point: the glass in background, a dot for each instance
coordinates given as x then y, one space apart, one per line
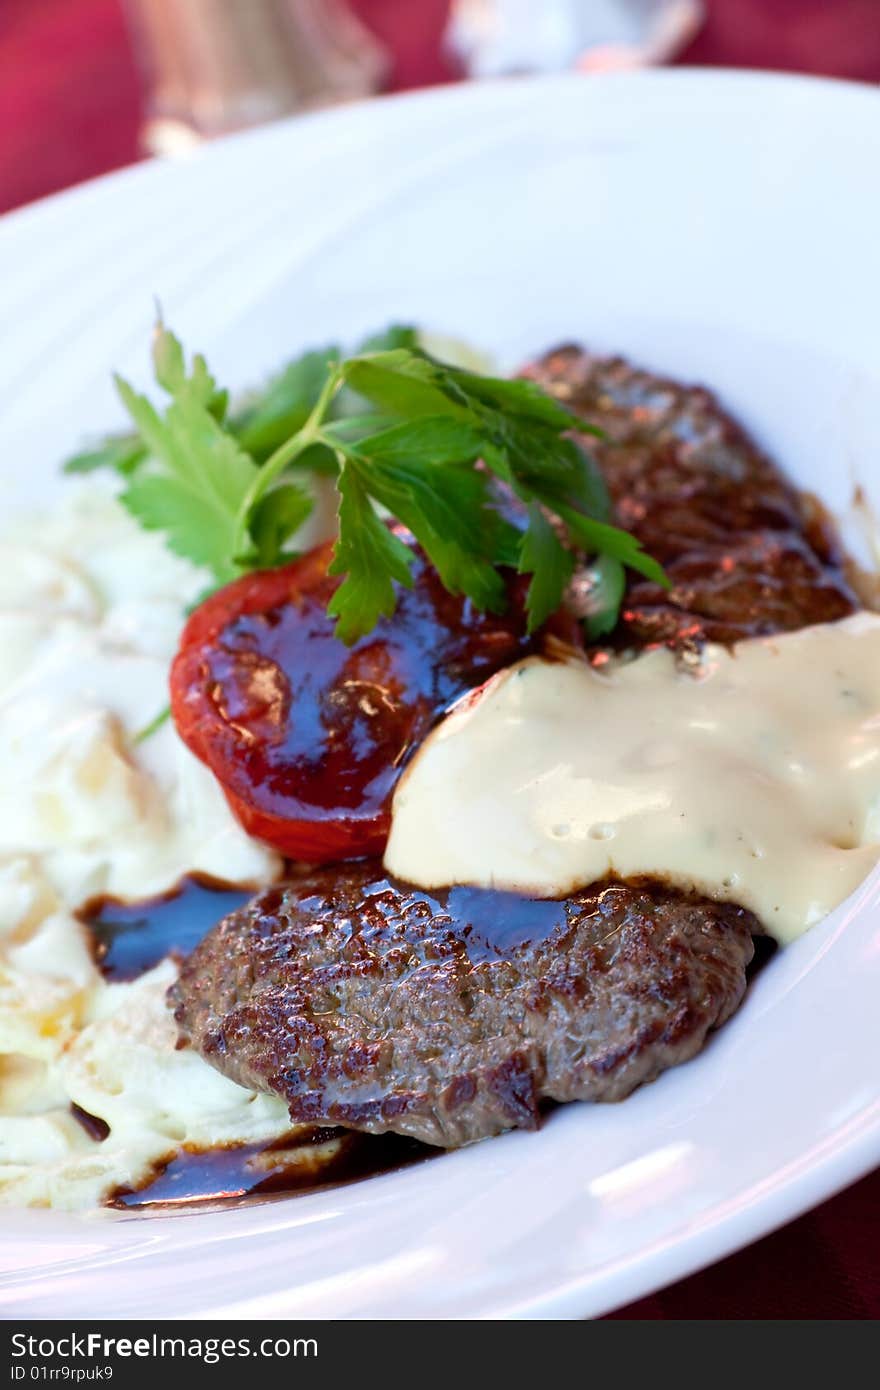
212 66
497 38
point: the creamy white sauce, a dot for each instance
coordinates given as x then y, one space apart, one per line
755 781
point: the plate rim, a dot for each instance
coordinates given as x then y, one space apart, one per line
437 92
639 1274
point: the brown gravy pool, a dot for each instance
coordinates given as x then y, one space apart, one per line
129 939
230 1176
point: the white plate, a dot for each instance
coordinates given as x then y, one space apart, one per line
722 227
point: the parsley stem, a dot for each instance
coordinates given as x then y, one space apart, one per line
153 727
284 455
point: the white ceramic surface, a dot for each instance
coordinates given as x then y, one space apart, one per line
722 227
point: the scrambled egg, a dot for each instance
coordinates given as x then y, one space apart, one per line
90 611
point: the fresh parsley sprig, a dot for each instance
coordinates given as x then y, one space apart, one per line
264 419
433 445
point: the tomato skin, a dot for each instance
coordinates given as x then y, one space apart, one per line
308 737
314 842
306 840
255 592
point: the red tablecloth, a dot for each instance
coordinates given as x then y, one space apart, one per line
70 108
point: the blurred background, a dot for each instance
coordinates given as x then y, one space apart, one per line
91 85
87 86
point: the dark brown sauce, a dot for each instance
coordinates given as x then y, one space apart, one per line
130 938
765 950
498 922
490 921
94 1126
230 1175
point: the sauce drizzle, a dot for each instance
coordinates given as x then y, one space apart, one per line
130 938
228 1176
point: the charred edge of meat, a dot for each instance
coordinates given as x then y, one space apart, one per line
747 554
370 1004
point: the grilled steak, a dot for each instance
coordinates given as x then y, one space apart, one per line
451 1016
747 554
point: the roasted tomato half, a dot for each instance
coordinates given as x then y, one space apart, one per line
307 736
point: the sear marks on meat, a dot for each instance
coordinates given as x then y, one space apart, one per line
746 553
451 1016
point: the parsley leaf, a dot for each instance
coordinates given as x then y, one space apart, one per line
545 558
396 335
121 452
524 439
275 519
518 400
600 538
284 405
266 418
606 595
199 476
405 384
435 440
370 556
169 367
406 470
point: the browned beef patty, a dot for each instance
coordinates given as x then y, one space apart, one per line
747 554
381 1007
451 1016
